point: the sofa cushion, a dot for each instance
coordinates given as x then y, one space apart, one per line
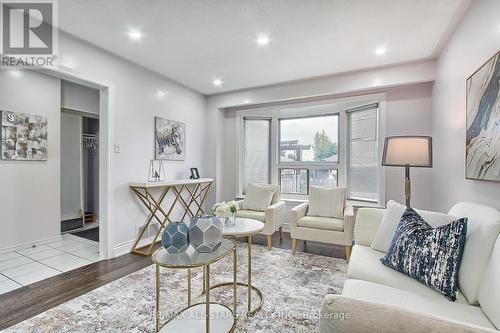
252 214
392 217
258 197
318 222
365 264
326 201
489 290
429 255
367 223
483 227
373 292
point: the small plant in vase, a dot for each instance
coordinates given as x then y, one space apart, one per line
226 211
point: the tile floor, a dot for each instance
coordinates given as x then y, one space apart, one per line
23 267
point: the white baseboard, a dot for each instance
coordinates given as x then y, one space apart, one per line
122 248
126 247
30 244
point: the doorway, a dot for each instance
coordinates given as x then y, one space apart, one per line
80 171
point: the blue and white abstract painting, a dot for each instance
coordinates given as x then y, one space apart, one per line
483 122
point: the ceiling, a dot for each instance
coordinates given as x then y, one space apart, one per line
196 41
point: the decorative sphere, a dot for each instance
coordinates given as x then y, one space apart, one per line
205 233
175 237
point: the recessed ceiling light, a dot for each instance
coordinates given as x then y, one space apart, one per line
381 50
217 82
134 34
262 40
161 93
15 73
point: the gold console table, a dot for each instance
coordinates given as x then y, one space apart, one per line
189 193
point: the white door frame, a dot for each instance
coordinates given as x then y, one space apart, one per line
106 139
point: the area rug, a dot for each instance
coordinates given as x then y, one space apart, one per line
293 288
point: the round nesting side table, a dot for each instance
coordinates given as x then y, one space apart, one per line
245 228
218 317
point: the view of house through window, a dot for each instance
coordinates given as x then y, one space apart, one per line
312 139
308 142
298 181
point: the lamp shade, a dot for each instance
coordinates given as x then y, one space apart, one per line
414 151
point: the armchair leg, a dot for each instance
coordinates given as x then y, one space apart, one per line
348 252
269 241
294 246
281 233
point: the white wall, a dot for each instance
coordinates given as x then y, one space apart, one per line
475 41
136 105
71 166
29 190
80 98
408 107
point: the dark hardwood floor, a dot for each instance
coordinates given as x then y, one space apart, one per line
26 302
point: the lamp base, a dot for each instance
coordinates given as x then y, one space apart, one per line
407 185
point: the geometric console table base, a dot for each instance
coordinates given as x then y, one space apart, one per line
190 194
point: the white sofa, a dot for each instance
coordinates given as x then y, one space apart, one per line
376 298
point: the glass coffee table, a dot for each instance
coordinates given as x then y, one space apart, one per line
218 317
245 228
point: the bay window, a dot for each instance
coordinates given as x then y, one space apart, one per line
330 143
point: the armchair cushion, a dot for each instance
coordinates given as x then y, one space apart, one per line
252 214
326 202
258 197
318 222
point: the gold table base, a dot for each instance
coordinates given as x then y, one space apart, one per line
250 311
206 286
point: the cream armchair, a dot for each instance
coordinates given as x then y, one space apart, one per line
333 223
272 215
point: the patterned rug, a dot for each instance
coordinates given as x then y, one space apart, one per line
293 288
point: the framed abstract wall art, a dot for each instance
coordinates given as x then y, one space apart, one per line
483 122
170 140
24 136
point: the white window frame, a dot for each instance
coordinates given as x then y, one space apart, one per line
294 109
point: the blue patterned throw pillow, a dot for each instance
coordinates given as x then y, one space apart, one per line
429 255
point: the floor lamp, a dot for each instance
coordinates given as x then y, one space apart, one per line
408 151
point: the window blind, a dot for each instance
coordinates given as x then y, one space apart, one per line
257 161
363 164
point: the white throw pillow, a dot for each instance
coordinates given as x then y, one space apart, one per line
489 289
392 217
326 202
258 197
483 227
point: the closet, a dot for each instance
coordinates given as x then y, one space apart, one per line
79 160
